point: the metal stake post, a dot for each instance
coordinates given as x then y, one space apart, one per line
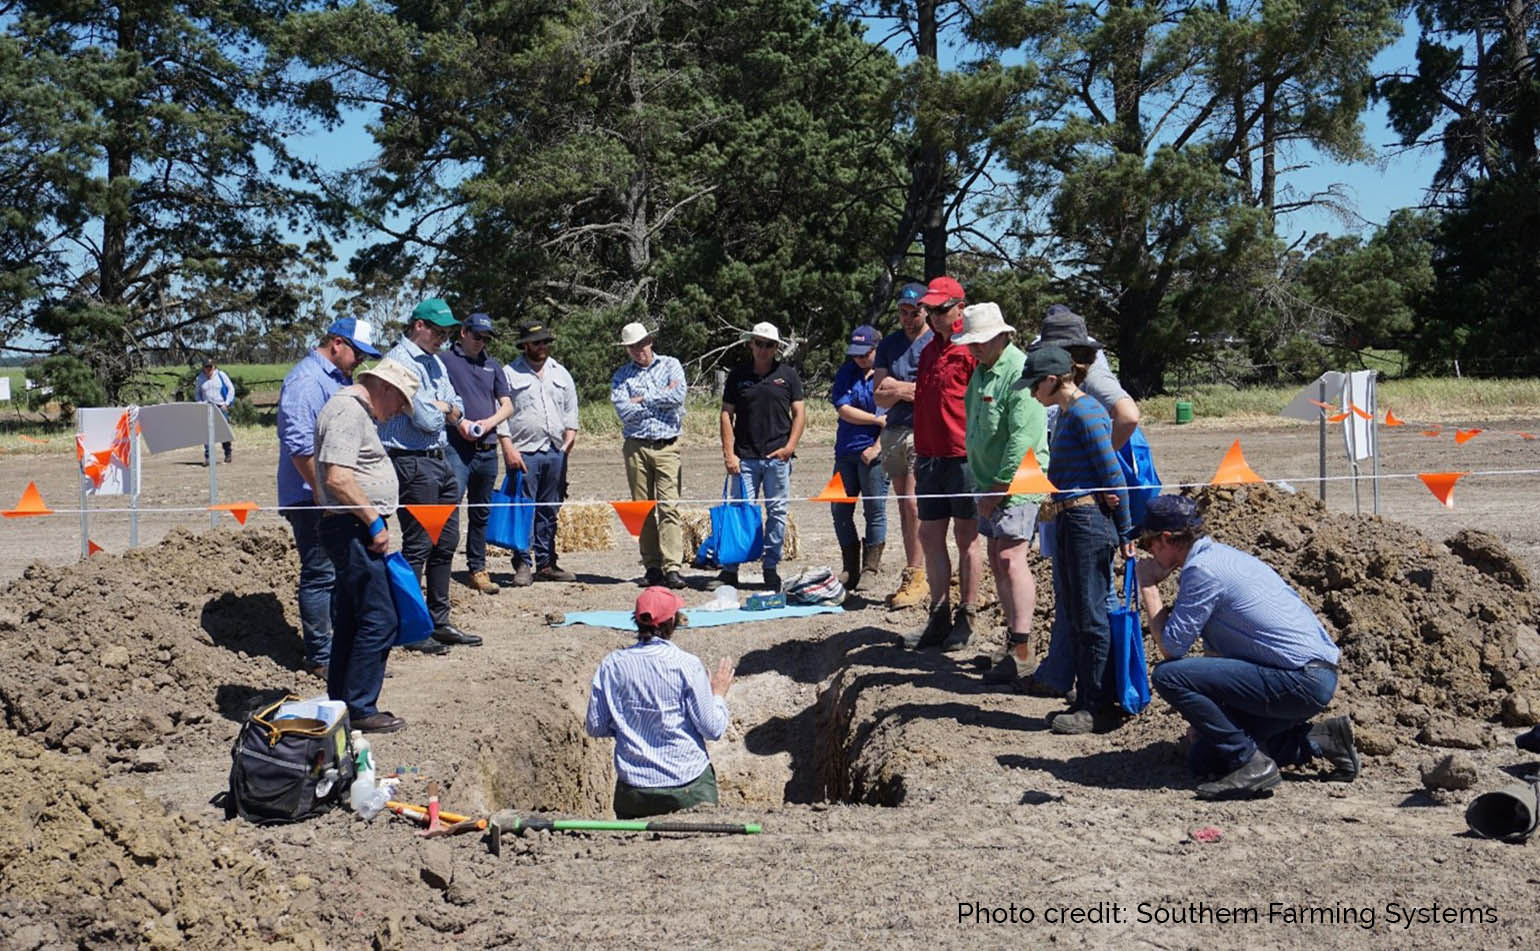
213 472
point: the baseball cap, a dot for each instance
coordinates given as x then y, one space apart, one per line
942 290
435 311
911 294
1170 513
862 340
358 333
480 323
534 333
1043 362
656 605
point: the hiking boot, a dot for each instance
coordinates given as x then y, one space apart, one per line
1007 670
962 628
772 578
1255 777
523 575
1077 722
873 558
673 580
380 722
1334 738
727 576
483 582
653 578
426 646
937 627
554 572
1033 687
912 590
850 558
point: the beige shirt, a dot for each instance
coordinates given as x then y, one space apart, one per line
345 435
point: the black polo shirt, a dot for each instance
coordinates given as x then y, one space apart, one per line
761 407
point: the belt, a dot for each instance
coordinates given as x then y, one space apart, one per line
1320 665
1047 511
655 443
428 453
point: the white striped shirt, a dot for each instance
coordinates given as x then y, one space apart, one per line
655 699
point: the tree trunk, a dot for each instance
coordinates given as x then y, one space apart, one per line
1139 369
1267 187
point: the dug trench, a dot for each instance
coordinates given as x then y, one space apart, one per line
124 679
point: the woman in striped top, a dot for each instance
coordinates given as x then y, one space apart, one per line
1091 522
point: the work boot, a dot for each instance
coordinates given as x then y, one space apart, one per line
850 557
772 578
912 590
554 572
673 580
523 575
1007 670
962 628
1255 777
483 582
937 627
873 555
653 578
1334 738
728 576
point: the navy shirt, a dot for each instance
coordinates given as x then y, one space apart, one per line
480 383
853 387
761 408
901 359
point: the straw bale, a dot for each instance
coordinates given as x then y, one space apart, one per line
586 526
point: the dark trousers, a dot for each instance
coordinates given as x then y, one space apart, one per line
1085 540
426 480
638 802
316 578
870 481
1237 706
545 479
363 616
476 471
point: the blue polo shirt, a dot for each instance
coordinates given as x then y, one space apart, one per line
901 359
306 388
852 387
479 382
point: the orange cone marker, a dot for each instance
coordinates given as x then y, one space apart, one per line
834 491
1233 468
30 503
1463 436
1391 420
1030 477
92 548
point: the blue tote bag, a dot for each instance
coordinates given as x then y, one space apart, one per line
1130 673
1138 467
737 530
511 519
413 622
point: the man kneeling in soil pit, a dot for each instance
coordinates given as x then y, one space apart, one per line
661 707
1269 664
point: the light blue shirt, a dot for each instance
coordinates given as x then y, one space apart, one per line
655 699
423 427
306 389
660 415
1243 610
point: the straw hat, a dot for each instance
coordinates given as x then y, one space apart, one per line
398 375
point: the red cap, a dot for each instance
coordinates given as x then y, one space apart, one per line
656 605
941 290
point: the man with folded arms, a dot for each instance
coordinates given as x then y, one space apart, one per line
648 395
893 375
478 380
416 442
1268 665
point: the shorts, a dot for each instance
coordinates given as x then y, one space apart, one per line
1017 523
897 451
943 477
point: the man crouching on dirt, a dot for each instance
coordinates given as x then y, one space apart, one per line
1269 666
661 708
356 485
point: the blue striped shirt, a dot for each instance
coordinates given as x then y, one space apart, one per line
1081 458
423 427
1243 610
308 386
655 699
660 414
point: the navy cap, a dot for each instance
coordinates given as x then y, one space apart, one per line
1043 362
479 323
357 332
1170 513
862 341
911 294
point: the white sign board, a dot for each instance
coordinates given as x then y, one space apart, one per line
1358 394
1304 406
5 388
180 425
98 433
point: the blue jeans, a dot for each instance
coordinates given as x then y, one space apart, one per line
1057 670
316 578
1085 540
1237 706
363 616
772 479
430 481
870 482
545 479
476 471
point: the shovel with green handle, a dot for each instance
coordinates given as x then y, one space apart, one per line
509 821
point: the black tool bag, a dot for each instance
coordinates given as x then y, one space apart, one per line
290 769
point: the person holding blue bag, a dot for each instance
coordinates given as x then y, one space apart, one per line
356 485
858 457
478 380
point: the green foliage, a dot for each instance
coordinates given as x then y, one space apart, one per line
67 380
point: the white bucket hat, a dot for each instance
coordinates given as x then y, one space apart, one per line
632 334
764 330
981 323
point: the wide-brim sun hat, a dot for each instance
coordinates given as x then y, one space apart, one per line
1063 327
534 333
632 334
764 330
398 375
982 323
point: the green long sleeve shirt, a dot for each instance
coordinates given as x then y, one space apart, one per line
1003 423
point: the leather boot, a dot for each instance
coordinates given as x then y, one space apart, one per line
912 589
1255 777
1334 738
850 557
873 555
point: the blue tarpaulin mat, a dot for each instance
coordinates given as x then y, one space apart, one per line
622 620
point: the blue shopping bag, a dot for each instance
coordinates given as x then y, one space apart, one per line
1130 673
413 622
511 519
1138 467
737 530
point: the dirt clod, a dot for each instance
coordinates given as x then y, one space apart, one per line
1454 771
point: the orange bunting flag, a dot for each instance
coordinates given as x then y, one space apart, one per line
1336 417
834 491
431 517
92 548
96 472
1233 468
1441 484
1526 435
1030 477
1432 432
1360 413
633 515
30 503
1326 406
102 457
239 509
1463 436
80 447
1391 420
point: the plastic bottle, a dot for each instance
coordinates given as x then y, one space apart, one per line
363 783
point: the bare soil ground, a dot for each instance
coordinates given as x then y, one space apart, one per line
896 791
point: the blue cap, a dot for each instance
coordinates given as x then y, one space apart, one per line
912 293
1170 513
358 333
862 340
479 323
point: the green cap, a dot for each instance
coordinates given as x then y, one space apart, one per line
435 311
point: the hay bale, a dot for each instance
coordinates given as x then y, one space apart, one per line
587 526
697 525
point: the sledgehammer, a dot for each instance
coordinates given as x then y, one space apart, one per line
509 821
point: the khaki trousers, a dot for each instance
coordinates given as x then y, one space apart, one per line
653 472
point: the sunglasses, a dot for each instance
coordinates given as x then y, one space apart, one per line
765 344
537 343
